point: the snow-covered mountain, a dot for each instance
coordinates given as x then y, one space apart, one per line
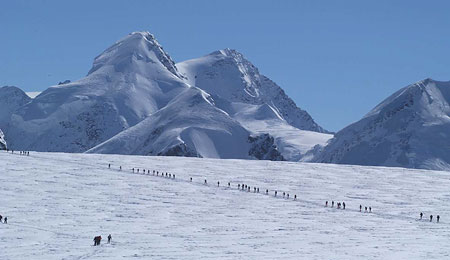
135 100
255 101
3 145
411 128
128 82
11 99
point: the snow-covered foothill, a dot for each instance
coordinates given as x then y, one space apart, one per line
411 128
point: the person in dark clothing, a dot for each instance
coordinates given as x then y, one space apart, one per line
332 203
254 189
6 220
229 184
360 208
365 209
239 186
326 203
343 205
206 182
218 183
174 176
421 215
267 191
257 190
284 194
437 218
295 197
288 195
109 166
431 218
1 217
109 238
370 209
120 168
191 179
97 240
276 193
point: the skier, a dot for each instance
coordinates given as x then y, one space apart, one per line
138 170
360 207
206 182
343 205
421 215
284 194
332 203
1 218
370 209
6 220
170 176
120 168
254 189
174 176
133 169
218 183
97 240
257 190
276 193
326 203
248 189
267 191
109 166
109 238
229 184
239 186
288 195
191 179
365 209
431 218
295 197
437 218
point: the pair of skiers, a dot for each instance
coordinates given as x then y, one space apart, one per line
431 217
97 240
5 221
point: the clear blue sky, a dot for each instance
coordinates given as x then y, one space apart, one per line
336 59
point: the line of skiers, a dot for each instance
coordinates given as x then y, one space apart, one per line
98 239
431 217
245 187
27 153
5 220
339 205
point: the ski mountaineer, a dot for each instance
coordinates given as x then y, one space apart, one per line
97 240
267 191
365 209
431 218
229 184
326 203
109 238
370 209
437 218
109 166
218 183
343 205
276 193
421 215
295 197
206 182
360 207
332 203
1 218
6 220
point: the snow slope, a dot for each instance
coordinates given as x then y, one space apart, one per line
56 203
190 125
11 99
410 129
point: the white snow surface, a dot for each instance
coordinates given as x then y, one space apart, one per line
33 94
57 202
411 128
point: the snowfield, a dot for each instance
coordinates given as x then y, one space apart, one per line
56 203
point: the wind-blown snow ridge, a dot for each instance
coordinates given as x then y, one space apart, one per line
408 129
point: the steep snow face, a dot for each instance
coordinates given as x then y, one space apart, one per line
3 145
128 82
226 74
11 99
190 125
411 129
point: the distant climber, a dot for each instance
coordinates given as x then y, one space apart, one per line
437 218
6 220
109 238
97 240
343 205
431 218
326 203
109 166
360 207
421 215
332 203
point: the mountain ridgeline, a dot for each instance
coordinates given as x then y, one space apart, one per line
137 100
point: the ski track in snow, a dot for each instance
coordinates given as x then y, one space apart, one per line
56 203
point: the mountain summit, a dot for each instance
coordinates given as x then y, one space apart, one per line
411 128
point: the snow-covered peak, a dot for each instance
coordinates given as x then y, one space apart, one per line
135 48
428 98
